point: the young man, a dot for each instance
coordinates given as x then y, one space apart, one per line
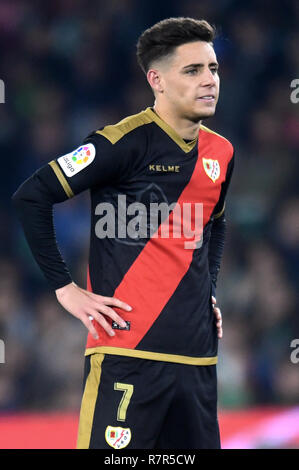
150 372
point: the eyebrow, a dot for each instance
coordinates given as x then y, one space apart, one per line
200 65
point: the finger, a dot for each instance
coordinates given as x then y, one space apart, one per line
87 321
116 303
217 312
111 313
213 299
108 300
102 321
218 316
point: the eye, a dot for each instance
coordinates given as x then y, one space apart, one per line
214 70
191 71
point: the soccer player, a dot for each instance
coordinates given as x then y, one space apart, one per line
150 306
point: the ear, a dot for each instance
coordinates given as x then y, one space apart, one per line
155 80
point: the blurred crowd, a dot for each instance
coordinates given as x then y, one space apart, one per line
69 67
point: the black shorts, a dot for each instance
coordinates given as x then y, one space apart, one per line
145 404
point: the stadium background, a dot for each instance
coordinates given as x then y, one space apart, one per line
69 67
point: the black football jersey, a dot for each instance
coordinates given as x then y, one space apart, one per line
154 197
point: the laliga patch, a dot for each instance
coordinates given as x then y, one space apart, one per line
118 438
212 168
73 162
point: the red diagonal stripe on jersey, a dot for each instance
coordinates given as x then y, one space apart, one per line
155 274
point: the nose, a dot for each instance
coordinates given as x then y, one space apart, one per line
208 78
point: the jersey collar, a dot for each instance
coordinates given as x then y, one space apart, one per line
185 146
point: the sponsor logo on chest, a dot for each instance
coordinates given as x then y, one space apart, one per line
165 168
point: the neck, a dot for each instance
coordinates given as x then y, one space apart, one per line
185 128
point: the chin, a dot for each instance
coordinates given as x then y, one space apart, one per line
203 114
206 113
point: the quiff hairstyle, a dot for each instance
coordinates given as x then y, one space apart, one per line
161 40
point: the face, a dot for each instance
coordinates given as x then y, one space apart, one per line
187 82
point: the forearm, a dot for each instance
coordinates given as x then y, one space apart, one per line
216 247
34 205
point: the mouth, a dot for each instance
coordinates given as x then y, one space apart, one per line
206 98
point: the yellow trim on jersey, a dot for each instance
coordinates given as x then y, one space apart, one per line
216 216
196 361
61 178
116 131
204 128
185 146
89 401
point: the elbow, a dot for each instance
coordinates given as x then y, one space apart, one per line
30 195
26 195
17 198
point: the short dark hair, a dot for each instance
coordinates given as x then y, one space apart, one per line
163 37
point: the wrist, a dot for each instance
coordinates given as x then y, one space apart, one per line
60 292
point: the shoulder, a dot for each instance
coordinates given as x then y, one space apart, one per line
218 140
127 129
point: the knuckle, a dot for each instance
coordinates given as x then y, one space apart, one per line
99 318
114 315
85 321
117 302
106 310
103 323
99 308
111 313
